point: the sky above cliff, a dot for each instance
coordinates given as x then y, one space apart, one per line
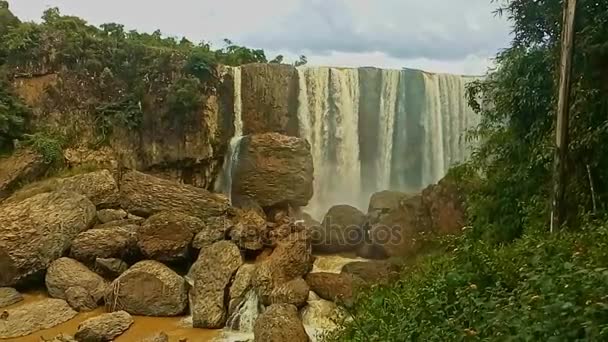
457 36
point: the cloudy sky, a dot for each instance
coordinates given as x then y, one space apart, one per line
458 36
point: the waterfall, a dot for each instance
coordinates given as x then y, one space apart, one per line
224 181
243 319
387 111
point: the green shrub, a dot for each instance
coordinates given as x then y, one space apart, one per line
50 146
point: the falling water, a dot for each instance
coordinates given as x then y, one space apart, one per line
386 125
243 319
224 182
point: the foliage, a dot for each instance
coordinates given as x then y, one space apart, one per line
184 100
13 115
49 145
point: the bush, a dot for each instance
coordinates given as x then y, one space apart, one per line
50 146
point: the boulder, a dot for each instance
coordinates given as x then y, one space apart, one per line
216 229
105 242
240 286
445 205
249 230
63 338
35 316
158 337
148 288
105 327
80 299
293 292
338 288
64 273
247 203
9 296
145 195
210 276
279 323
382 202
109 215
320 313
342 230
38 230
374 272
274 169
22 166
167 236
110 267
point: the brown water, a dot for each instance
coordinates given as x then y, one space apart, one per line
142 327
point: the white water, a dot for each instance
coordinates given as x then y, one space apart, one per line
224 181
388 105
332 263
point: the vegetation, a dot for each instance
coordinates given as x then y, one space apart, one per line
507 278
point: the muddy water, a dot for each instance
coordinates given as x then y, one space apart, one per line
175 327
333 263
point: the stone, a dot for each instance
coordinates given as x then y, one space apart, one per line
373 272
338 288
158 337
148 288
167 236
342 230
110 267
109 215
105 242
216 229
322 314
240 286
38 230
384 201
371 250
445 205
105 327
146 195
249 230
210 276
293 292
35 316
280 323
61 338
80 299
23 165
247 203
274 169
64 273
9 296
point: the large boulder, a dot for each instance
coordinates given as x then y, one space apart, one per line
210 276
167 236
105 327
64 273
35 316
148 288
38 230
293 292
105 242
9 296
240 286
110 267
383 202
216 229
279 323
249 230
274 169
445 205
338 288
342 230
145 195
80 299
374 272
22 166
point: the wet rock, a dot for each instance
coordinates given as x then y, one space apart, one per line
293 292
145 195
158 337
249 230
65 273
382 202
80 299
274 169
61 338
22 166
374 272
109 215
321 313
210 276
36 231
105 242
240 286
371 250
167 236
279 323
110 267
338 288
9 296
148 288
104 327
32 317
342 230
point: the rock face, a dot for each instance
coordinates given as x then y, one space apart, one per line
104 327
279 323
36 231
270 102
108 215
148 288
110 267
9 296
274 169
444 202
80 299
337 288
64 273
342 230
167 236
249 230
210 276
108 242
145 195
293 292
21 166
32 317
